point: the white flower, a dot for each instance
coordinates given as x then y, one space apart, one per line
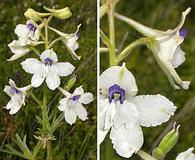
17 96
187 155
123 112
72 105
48 68
28 34
70 41
165 46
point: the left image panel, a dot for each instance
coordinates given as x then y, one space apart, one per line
48 79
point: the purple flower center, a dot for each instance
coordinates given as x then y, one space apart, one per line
14 90
183 32
31 27
115 91
48 61
75 98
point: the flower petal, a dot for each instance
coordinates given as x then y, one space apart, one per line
32 65
64 68
18 49
49 54
22 32
101 135
70 116
126 141
14 104
86 98
126 114
52 79
178 57
37 79
63 104
153 109
187 155
8 90
80 111
107 113
78 91
121 76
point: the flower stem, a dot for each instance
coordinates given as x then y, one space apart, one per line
49 157
112 36
144 155
44 108
130 47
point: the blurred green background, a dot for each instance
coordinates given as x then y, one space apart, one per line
162 15
74 142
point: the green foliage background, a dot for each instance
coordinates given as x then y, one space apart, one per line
74 142
162 15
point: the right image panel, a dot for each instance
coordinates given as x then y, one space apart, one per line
146 102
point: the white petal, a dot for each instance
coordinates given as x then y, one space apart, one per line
37 79
101 135
64 68
187 155
32 65
107 113
121 76
178 57
80 111
12 83
86 98
78 91
34 36
49 54
22 32
18 50
63 104
8 90
70 116
52 79
154 109
126 141
126 114
14 104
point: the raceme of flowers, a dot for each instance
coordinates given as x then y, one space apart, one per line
46 67
165 46
123 113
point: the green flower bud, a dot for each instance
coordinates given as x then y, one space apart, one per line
63 13
31 14
71 83
167 143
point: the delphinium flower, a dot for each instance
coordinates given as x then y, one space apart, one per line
48 68
28 34
123 112
187 155
17 96
165 46
70 41
72 104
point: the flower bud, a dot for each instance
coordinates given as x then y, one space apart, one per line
63 13
71 83
167 143
34 15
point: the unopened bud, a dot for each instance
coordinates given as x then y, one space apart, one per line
63 13
71 83
31 14
167 143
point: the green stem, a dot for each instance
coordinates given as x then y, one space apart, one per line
112 37
44 108
144 155
49 157
129 48
54 41
36 99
